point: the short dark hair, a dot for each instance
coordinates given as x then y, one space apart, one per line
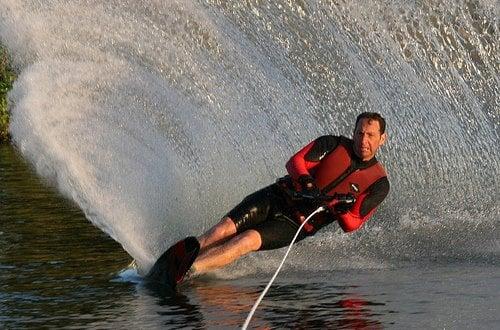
372 116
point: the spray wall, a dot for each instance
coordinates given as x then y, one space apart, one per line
157 117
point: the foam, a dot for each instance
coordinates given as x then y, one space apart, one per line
156 118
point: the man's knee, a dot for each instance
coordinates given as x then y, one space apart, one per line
249 240
224 228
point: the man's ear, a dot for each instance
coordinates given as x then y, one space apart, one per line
383 137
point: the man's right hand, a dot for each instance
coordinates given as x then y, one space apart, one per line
308 186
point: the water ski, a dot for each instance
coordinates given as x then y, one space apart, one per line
173 264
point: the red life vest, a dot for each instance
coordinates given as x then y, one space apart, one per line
337 173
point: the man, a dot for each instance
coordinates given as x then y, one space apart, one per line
330 165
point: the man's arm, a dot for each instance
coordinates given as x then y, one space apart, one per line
305 160
364 207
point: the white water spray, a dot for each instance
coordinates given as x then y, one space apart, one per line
157 117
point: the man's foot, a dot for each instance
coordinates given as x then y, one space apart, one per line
171 267
185 254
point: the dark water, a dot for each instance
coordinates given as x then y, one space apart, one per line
54 265
59 271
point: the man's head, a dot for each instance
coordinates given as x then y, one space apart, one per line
369 135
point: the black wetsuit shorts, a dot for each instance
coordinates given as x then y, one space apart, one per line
267 212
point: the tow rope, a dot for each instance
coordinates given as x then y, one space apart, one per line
254 308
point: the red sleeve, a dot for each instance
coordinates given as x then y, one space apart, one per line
352 220
298 165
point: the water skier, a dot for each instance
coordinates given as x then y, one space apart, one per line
269 218
339 173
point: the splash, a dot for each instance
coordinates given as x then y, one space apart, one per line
156 118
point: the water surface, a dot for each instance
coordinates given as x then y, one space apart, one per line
58 271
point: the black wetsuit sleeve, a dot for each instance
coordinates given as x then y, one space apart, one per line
377 192
322 146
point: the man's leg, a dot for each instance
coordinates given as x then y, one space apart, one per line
229 240
218 234
226 253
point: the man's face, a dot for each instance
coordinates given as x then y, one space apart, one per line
367 138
